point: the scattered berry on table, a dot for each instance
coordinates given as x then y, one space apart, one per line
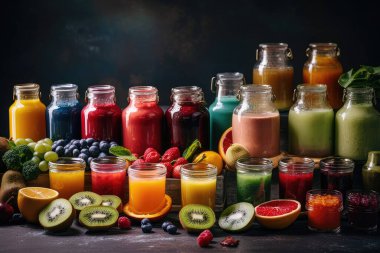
124 223
229 241
145 221
171 154
171 229
17 219
165 225
204 238
146 228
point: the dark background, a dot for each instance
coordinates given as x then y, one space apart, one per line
167 43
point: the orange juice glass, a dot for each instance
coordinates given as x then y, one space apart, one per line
27 113
67 176
198 184
147 187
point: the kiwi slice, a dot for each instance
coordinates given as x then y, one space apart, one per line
81 200
98 217
57 216
238 217
112 201
196 218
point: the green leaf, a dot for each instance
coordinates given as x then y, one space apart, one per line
11 144
364 76
122 152
190 151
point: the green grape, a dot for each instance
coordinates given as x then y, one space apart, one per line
51 156
32 145
47 147
48 141
40 148
20 141
28 140
43 166
36 159
39 155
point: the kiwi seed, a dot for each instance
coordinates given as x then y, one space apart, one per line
81 200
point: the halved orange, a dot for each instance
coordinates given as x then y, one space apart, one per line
225 142
153 217
277 214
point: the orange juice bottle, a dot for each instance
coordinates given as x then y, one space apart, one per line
147 187
323 67
27 113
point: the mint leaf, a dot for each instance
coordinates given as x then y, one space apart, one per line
364 76
122 152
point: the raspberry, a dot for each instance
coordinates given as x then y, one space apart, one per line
177 172
138 161
152 157
180 161
205 238
171 154
149 150
169 169
124 223
229 241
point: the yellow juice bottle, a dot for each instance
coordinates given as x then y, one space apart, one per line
27 113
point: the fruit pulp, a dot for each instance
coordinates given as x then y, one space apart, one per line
67 182
363 210
259 134
187 122
146 195
336 180
109 183
253 188
295 185
221 118
101 121
276 208
27 119
198 191
142 127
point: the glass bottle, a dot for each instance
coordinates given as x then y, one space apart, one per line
324 67
63 113
371 172
227 87
311 123
101 117
142 120
357 125
27 113
273 68
256 121
188 118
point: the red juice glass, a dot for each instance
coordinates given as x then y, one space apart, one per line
108 176
101 117
295 178
188 118
142 120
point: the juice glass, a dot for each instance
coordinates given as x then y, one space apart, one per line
253 180
147 187
198 184
67 176
108 176
324 210
295 178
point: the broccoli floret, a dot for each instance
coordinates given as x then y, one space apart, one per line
12 160
30 170
24 152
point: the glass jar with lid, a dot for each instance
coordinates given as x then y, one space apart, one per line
273 67
256 121
311 122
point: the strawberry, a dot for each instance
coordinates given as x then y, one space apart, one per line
138 161
180 161
169 169
171 154
149 150
177 171
152 157
205 238
124 223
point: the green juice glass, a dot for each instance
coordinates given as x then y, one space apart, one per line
254 177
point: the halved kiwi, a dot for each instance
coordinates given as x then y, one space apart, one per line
196 218
57 216
81 200
98 217
112 201
238 217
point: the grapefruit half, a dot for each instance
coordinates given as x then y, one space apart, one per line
225 142
277 214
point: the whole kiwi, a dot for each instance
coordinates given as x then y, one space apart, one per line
4 147
11 182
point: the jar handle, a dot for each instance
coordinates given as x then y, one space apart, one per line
289 54
307 52
337 51
213 84
295 95
257 54
85 97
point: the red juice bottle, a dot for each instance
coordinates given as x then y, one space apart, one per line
101 117
188 118
142 120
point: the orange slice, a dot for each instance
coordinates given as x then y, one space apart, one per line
153 217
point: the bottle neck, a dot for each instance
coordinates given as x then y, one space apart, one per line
273 55
26 92
227 90
187 95
356 96
328 50
143 95
101 95
102 99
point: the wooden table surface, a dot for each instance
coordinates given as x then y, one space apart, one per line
297 238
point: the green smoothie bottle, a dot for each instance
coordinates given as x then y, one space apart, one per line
227 87
371 172
357 125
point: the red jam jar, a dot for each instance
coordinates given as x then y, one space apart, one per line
337 174
188 118
295 178
362 209
101 117
142 120
324 210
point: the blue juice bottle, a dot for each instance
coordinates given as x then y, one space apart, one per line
63 115
227 87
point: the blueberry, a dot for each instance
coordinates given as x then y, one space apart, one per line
60 151
94 151
17 219
53 147
72 147
89 160
103 142
147 228
85 151
113 143
171 229
60 142
104 147
165 225
68 153
102 154
145 221
96 144
84 157
76 152
83 144
90 141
